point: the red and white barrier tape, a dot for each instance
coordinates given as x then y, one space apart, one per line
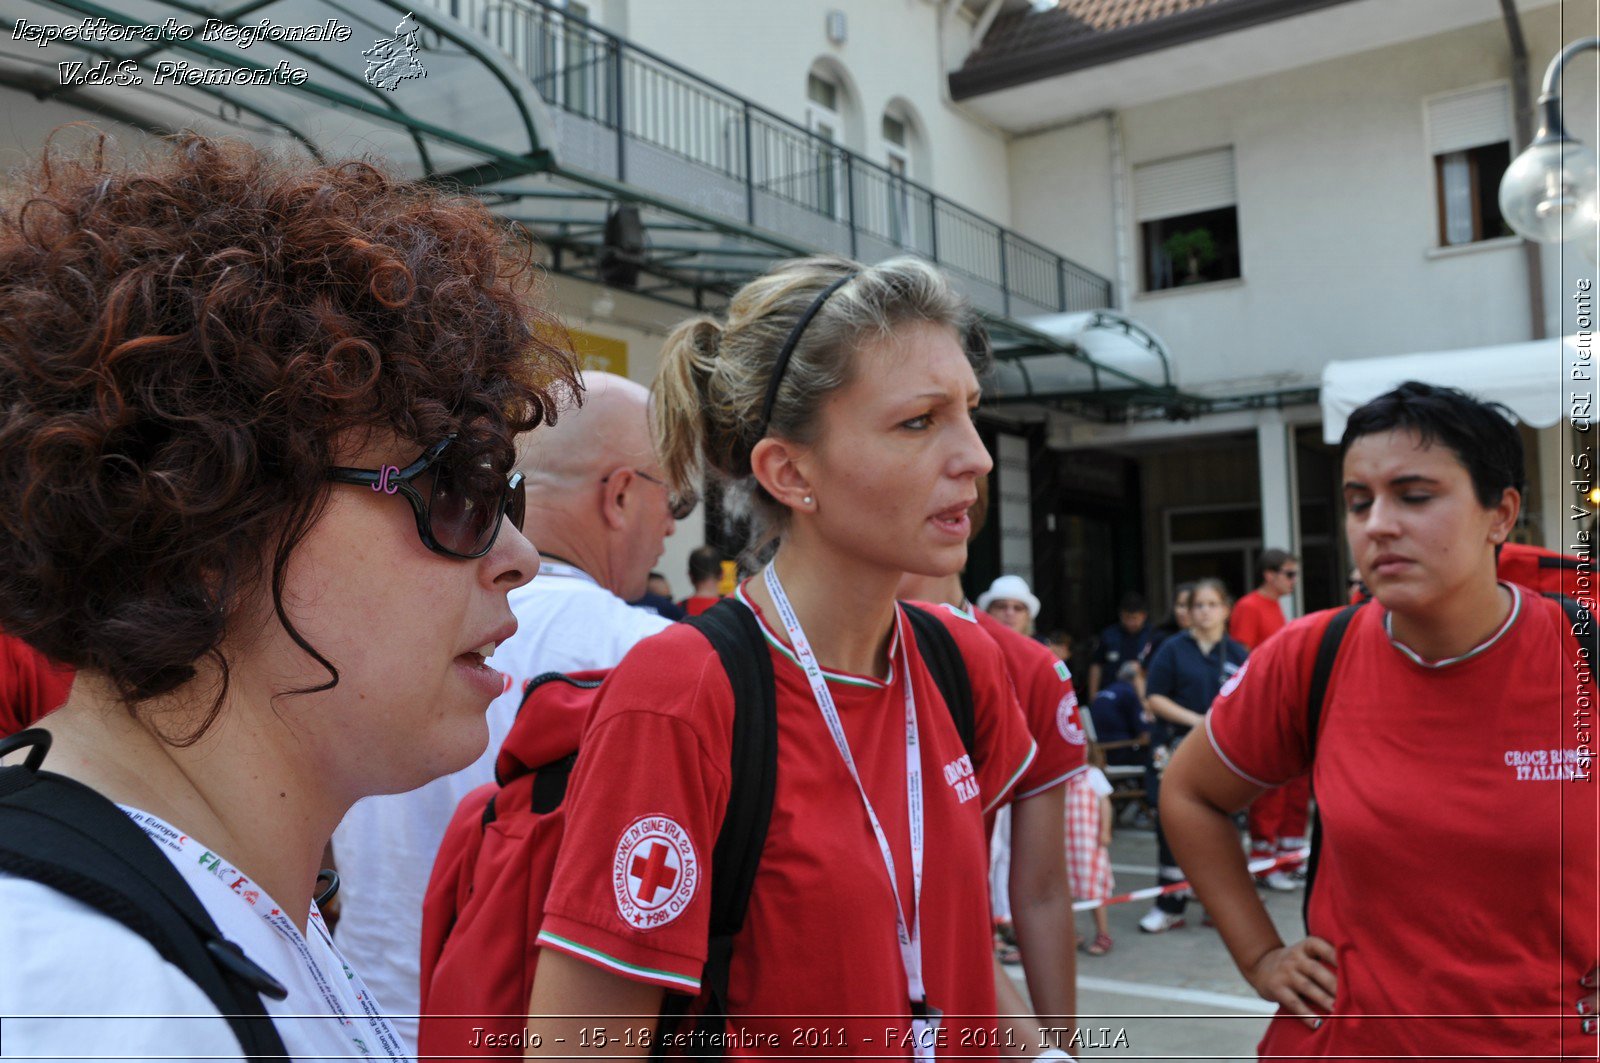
1259 866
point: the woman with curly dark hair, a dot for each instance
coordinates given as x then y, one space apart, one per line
256 426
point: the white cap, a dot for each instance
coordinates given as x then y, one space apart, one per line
1013 589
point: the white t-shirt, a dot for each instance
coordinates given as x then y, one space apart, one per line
64 968
1099 783
386 845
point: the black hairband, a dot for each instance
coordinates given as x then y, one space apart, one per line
789 345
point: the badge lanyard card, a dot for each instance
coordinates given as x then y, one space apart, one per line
925 1018
561 568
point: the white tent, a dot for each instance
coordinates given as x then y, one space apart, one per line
1541 381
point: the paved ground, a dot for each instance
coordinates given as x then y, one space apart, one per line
1174 995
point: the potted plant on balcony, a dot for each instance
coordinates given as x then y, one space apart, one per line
1194 248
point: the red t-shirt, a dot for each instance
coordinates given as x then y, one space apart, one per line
1044 688
648 795
1457 879
1254 619
31 685
696 604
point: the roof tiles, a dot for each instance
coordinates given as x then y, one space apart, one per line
1025 44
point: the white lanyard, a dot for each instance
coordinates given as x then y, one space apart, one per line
386 1040
561 568
909 932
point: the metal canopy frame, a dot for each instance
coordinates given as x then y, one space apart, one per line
278 105
693 258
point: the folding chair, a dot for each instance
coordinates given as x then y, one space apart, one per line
1127 780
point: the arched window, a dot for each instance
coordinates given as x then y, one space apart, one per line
833 114
822 104
896 144
905 157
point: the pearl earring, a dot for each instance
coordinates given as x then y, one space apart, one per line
806 500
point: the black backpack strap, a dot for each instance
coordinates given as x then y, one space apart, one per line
549 786
1321 672
1559 561
61 834
943 657
734 633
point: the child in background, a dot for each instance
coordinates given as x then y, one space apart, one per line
1089 817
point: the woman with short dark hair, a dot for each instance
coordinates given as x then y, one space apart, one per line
1453 906
256 441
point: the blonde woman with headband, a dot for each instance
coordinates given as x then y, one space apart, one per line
834 405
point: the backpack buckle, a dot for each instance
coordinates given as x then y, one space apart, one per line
233 960
35 739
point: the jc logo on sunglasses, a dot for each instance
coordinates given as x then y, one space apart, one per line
383 483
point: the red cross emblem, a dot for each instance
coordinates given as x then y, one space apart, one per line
653 874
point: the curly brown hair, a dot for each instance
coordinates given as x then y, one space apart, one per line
184 339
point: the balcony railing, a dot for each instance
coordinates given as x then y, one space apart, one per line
623 112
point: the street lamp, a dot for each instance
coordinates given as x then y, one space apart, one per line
1549 193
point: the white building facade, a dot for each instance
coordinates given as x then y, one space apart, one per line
1338 157
1344 159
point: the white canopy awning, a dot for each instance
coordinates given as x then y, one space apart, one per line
1538 380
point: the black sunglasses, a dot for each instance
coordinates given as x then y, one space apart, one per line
455 520
680 505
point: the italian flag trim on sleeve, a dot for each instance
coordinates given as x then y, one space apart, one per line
1005 791
667 979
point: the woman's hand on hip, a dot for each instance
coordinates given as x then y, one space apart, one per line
1301 977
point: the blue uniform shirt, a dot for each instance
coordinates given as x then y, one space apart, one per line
1193 679
1117 713
1117 645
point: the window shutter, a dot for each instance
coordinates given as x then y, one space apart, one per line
1186 185
1469 119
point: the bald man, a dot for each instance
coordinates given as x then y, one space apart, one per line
599 514
597 500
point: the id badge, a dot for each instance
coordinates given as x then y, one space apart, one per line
925 1030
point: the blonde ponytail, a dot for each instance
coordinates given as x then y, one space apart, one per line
679 399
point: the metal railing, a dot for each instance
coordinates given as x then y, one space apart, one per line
791 179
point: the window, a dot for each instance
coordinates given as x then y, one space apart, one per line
581 62
1469 137
894 138
822 118
1216 541
569 61
823 93
896 144
1188 220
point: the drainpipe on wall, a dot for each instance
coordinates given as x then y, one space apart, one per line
1119 212
947 10
1523 106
